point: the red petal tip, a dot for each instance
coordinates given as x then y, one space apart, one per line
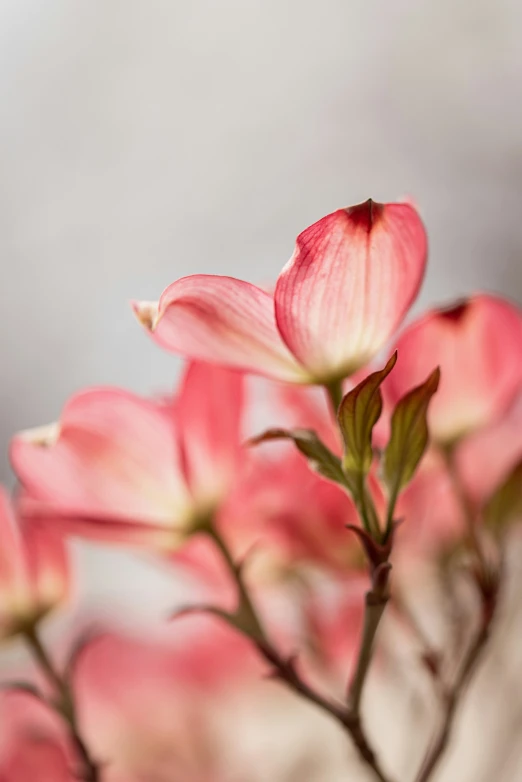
366 214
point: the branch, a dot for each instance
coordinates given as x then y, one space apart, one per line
375 603
442 738
285 668
64 705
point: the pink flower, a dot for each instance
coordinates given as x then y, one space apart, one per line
34 572
333 620
431 512
119 467
478 345
153 708
33 744
148 709
339 299
485 458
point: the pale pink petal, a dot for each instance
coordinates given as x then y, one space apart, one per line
333 614
34 570
352 277
307 408
33 742
16 598
485 459
430 511
478 346
157 728
209 409
48 564
12 558
113 456
221 320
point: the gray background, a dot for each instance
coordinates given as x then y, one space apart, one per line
144 140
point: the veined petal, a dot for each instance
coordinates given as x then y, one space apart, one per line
478 345
114 457
348 285
221 320
209 409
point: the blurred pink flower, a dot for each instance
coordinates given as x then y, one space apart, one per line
333 610
34 571
121 468
33 742
339 299
163 709
478 345
485 458
147 709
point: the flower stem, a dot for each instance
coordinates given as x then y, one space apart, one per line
64 704
487 580
334 392
374 609
453 697
285 668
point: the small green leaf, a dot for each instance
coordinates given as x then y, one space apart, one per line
358 413
409 437
505 506
320 458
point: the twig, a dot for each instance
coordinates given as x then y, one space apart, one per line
487 580
64 705
439 744
375 604
285 669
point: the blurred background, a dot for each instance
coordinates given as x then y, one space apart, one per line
142 141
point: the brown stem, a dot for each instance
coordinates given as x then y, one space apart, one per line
375 605
285 669
487 581
442 738
65 705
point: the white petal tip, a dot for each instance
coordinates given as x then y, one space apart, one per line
43 436
147 312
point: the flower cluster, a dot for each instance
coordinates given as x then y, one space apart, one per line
394 462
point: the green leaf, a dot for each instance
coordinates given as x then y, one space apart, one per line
505 506
409 437
358 413
320 458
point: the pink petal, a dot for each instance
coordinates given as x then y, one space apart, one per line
34 742
221 320
13 571
34 570
430 510
478 346
113 458
47 564
209 409
352 278
486 458
16 597
158 727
